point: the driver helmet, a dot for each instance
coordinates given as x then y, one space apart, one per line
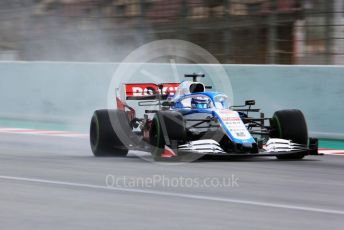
199 103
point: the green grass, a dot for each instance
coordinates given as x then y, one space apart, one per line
331 144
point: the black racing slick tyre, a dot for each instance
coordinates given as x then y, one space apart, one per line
104 140
166 121
290 125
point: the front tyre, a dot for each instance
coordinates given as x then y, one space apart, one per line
166 121
290 125
103 138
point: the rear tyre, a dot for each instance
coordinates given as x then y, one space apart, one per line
103 138
290 125
173 123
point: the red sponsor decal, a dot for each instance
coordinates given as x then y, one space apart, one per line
168 152
149 89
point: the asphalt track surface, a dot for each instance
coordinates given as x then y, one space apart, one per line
55 183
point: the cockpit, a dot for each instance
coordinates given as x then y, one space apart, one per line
203 101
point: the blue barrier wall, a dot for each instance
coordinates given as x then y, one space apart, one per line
69 92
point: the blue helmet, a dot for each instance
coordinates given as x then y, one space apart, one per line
200 103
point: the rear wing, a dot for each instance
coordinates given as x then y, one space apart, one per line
149 91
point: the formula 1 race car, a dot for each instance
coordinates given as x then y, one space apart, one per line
189 119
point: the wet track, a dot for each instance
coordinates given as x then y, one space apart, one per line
55 182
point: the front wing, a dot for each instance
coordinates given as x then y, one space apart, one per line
261 153
211 147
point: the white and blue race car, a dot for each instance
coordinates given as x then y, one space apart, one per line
189 121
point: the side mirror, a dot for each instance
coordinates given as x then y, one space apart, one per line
250 102
168 103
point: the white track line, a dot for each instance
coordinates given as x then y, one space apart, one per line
42 132
332 151
179 195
